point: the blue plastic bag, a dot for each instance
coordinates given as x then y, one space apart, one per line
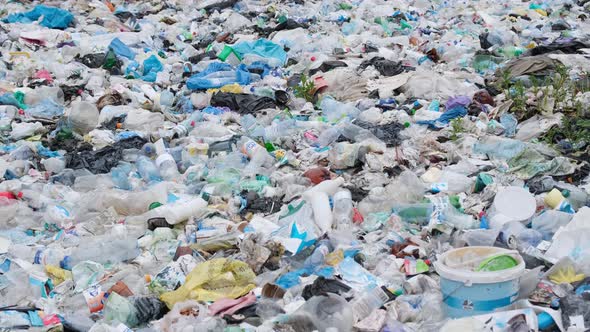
46 109
8 99
263 48
151 67
121 49
509 122
445 118
218 74
53 18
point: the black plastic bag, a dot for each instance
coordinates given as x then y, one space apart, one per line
242 103
384 66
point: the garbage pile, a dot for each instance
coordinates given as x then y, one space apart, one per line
298 165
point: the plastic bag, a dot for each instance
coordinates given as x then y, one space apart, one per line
213 280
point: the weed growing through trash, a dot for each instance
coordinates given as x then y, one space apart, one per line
456 128
515 91
555 93
557 89
305 88
573 129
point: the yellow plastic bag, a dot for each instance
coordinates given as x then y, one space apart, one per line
57 275
566 276
334 258
231 88
213 280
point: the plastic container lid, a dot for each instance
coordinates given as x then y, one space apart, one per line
516 203
469 277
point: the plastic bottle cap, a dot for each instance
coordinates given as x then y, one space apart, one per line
154 205
553 198
65 263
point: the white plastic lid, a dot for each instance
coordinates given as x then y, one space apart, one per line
515 203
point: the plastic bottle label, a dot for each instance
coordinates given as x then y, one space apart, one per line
438 187
566 207
37 259
249 148
413 267
94 297
362 308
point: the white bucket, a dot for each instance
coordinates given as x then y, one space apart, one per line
466 292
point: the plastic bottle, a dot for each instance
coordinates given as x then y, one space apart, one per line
368 302
120 176
147 169
179 211
335 111
103 250
256 153
43 256
576 197
320 203
329 136
279 129
343 210
167 166
516 236
149 149
251 126
556 200
317 258
54 165
329 187
452 182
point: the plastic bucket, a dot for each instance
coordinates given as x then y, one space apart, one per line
466 292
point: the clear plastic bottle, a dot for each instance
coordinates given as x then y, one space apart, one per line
166 100
167 166
516 236
329 136
343 210
251 126
256 153
335 111
147 169
279 129
43 256
103 250
317 258
120 176
368 302
149 149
